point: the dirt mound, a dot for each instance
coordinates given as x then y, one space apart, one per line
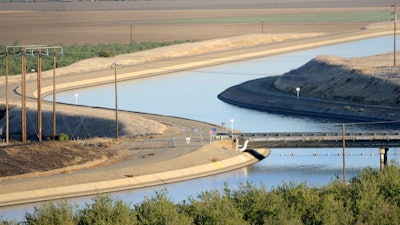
366 80
46 156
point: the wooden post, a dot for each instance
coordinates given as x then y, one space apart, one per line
7 115
131 34
23 96
115 66
54 95
39 94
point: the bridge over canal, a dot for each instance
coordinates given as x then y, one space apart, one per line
382 140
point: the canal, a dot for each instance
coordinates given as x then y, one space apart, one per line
193 94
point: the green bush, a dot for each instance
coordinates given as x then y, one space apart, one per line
160 210
59 213
106 211
62 137
106 54
371 198
211 207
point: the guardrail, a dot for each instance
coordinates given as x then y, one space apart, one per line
167 143
319 139
310 134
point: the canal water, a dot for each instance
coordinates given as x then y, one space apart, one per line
193 94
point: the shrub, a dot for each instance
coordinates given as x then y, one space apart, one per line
106 54
105 211
62 137
160 210
212 207
60 213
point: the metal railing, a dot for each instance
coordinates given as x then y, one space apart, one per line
168 143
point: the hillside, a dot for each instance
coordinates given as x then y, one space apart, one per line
366 80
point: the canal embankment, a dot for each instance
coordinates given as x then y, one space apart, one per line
260 94
355 89
211 159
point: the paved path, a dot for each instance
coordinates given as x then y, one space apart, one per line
146 166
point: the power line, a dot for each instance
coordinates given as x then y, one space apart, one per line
24 51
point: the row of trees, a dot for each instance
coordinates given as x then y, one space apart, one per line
74 53
371 198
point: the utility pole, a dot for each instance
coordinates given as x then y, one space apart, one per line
44 50
394 32
39 86
24 51
262 27
54 95
7 115
39 93
115 66
131 34
20 50
23 96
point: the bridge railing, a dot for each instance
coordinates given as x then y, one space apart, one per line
167 143
349 133
317 136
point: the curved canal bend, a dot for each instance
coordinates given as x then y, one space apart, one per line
193 94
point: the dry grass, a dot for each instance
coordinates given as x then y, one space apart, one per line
366 80
181 50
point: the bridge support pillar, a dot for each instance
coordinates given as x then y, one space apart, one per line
383 157
236 144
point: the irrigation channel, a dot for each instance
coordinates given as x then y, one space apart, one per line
193 94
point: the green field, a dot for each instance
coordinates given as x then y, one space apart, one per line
74 53
361 16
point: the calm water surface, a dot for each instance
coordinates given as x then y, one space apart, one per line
192 94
